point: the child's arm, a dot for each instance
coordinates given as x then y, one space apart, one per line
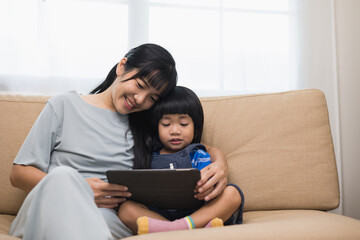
213 177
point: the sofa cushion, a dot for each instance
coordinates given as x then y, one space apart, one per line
263 225
278 146
283 224
7 237
18 113
5 221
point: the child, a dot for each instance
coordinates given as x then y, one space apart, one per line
178 120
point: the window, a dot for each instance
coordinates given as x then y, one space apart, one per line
221 47
225 47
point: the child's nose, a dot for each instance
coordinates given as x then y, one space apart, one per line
174 130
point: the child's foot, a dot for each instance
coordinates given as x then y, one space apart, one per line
150 225
216 222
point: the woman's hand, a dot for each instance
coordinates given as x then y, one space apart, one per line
213 181
107 195
213 177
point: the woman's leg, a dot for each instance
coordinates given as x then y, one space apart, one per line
221 207
60 207
117 228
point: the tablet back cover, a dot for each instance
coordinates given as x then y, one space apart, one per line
164 188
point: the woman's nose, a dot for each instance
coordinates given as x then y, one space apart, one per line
140 98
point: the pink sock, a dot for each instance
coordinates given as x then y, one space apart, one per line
149 225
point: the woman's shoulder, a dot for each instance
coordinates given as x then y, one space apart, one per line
63 101
64 98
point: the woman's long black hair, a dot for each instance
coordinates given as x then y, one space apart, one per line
157 66
181 100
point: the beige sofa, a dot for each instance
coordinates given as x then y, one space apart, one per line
279 149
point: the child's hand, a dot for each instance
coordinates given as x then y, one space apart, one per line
213 181
107 195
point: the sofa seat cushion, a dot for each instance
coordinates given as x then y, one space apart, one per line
5 221
282 224
7 237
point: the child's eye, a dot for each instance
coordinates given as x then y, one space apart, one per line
153 99
184 124
165 124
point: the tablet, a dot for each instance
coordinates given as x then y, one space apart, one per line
164 188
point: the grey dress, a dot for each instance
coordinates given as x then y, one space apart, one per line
72 140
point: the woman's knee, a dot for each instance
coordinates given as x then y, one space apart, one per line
62 171
67 178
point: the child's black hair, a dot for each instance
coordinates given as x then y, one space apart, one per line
180 100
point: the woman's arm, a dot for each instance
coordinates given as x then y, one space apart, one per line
105 194
213 177
25 177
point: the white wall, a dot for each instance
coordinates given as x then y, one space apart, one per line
347 27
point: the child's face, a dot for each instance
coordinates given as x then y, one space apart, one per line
176 131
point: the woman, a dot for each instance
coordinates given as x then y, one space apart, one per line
77 138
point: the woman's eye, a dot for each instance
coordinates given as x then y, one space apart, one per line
153 99
140 86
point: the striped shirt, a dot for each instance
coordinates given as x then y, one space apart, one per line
199 159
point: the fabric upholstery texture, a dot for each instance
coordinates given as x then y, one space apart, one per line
18 113
270 225
278 146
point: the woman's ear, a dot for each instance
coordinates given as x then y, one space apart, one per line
120 67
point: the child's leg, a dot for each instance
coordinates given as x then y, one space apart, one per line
221 207
212 214
150 225
130 211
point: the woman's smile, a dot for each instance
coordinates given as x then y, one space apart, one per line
129 104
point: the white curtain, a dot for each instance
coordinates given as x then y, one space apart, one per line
221 46
52 46
317 66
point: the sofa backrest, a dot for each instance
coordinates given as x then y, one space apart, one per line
18 113
278 146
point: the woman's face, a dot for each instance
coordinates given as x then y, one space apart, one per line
133 95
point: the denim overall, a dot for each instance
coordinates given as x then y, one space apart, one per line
182 159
